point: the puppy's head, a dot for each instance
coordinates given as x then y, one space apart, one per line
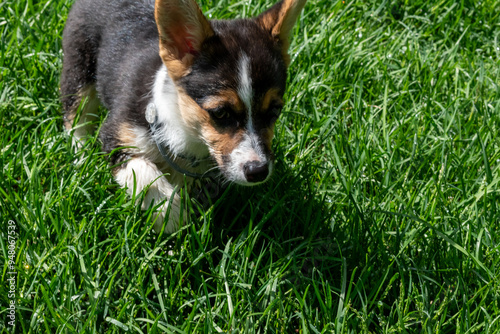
230 76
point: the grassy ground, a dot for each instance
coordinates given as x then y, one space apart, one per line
382 216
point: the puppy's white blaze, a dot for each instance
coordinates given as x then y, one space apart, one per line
245 91
147 173
250 148
172 130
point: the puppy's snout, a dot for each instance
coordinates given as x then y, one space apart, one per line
256 171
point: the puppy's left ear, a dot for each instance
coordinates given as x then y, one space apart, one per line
279 21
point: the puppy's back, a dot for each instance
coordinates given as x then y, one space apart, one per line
108 43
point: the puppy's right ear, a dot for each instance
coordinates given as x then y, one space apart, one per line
182 28
279 21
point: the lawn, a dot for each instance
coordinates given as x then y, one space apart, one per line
382 216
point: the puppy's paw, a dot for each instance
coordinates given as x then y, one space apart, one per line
173 222
140 174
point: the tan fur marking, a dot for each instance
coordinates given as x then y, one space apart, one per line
192 114
213 102
126 135
222 143
226 97
271 95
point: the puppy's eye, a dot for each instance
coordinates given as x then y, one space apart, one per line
222 115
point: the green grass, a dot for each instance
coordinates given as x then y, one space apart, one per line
383 215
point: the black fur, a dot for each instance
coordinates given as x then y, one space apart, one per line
115 46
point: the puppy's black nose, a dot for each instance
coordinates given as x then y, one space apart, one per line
256 171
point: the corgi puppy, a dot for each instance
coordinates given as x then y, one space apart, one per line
187 97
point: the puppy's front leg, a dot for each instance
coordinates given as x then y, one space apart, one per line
147 173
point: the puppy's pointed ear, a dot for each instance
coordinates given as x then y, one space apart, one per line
182 28
279 21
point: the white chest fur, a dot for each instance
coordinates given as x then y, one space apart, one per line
172 131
